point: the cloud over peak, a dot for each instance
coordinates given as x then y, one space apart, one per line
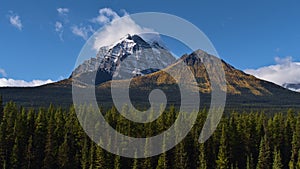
114 27
105 16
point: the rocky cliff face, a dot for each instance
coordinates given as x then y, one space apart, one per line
129 57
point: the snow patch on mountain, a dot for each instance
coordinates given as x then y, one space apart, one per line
292 86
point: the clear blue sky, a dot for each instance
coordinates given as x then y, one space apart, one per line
246 34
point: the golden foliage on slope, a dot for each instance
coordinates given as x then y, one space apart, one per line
237 81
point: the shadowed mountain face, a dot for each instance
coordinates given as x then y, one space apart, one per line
243 90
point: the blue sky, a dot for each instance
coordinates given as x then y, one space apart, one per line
39 39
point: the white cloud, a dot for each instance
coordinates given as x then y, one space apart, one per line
3 73
105 16
59 25
15 20
62 11
82 31
4 82
115 28
284 71
59 28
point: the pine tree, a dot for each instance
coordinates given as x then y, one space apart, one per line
100 162
298 162
92 156
20 140
295 144
222 161
288 137
9 119
50 147
117 162
147 164
236 139
85 154
277 130
74 135
30 127
202 159
135 164
59 131
29 153
250 164
97 159
30 123
264 154
63 154
181 159
16 155
3 144
277 161
40 139
1 108
162 161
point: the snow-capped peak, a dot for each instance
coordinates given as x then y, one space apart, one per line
126 41
129 56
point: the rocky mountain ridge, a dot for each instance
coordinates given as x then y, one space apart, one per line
130 56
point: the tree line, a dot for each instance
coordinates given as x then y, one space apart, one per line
52 137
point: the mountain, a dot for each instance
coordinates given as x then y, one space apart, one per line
292 86
137 56
146 62
243 90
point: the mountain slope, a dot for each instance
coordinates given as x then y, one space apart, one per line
238 82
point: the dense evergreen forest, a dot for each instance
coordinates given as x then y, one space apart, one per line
53 138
